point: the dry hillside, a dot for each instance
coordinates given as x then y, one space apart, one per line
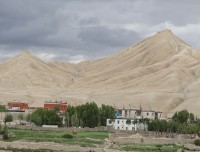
161 71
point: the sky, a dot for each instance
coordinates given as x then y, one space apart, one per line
78 30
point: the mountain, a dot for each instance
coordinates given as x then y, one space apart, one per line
162 72
27 71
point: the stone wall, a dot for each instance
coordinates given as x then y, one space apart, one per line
68 129
145 140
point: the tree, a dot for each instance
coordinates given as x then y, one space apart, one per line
90 115
56 108
5 133
191 117
2 108
28 117
128 121
21 117
74 120
70 111
181 116
106 112
45 117
8 118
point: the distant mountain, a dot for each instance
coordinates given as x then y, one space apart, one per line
27 71
162 72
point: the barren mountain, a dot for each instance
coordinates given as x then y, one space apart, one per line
27 71
161 71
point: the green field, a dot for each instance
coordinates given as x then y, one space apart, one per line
81 138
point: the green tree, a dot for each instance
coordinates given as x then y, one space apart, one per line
74 120
5 133
56 108
69 112
2 108
106 112
28 117
191 117
8 118
90 115
128 121
45 117
181 116
21 117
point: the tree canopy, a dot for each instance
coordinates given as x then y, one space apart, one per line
45 117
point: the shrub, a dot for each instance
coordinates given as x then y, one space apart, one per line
68 136
197 142
128 121
5 133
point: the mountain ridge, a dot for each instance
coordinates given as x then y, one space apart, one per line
161 71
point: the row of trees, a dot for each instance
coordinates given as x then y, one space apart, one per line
182 122
88 115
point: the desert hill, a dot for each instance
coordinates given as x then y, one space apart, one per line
161 71
26 70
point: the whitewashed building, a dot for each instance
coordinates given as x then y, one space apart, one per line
134 115
121 124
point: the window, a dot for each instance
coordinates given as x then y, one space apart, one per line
110 121
117 127
126 128
118 121
147 113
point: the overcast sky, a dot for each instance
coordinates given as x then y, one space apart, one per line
76 30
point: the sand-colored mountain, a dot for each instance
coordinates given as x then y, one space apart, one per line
161 71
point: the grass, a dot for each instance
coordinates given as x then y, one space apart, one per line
81 138
147 148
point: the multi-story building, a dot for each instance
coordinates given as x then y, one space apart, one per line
122 124
51 105
134 116
139 114
17 106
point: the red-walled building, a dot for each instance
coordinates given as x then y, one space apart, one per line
51 105
17 106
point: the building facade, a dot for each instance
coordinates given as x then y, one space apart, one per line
51 105
136 119
121 124
17 106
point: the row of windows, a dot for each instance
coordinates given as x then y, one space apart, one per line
126 128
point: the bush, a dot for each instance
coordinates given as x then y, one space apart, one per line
197 142
68 136
5 133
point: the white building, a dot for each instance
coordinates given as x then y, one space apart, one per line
139 114
135 115
121 124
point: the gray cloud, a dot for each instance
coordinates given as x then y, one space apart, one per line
77 30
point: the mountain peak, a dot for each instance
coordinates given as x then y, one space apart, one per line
25 53
165 31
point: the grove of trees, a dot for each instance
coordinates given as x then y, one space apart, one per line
182 122
85 115
88 115
45 117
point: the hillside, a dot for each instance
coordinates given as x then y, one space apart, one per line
161 71
27 71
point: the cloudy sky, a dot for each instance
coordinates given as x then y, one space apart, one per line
76 30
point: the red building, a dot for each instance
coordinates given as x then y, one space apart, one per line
17 106
51 105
